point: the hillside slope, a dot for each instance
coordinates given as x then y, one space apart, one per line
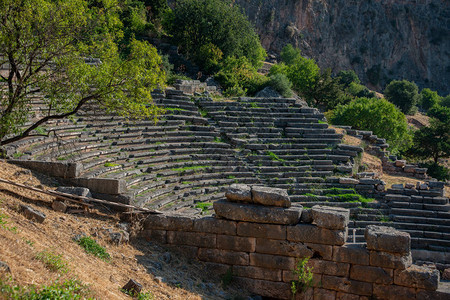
380 40
21 240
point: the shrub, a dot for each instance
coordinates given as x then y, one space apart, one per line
428 99
445 101
377 115
402 93
437 171
52 261
209 56
304 277
195 23
359 90
347 77
281 84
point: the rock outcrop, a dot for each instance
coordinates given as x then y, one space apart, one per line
380 40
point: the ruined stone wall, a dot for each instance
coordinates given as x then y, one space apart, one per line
262 243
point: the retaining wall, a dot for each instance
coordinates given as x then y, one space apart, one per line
262 255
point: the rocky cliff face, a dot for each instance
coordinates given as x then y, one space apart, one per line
380 39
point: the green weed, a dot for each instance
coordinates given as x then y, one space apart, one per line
273 156
92 247
53 262
107 165
303 275
203 206
4 222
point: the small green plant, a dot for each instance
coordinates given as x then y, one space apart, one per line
18 154
273 156
189 168
4 222
254 105
203 206
107 165
40 130
53 262
304 277
92 247
139 296
69 289
231 177
385 219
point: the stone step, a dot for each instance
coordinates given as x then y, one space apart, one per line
420 220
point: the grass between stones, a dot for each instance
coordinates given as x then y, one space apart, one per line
92 247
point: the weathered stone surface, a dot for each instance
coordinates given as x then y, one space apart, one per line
372 274
257 213
388 292
382 238
321 251
132 287
329 267
432 295
330 217
155 235
156 222
417 277
323 294
346 285
4 268
446 274
346 296
204 240
306 216
186 251
179 222
215 225
59 206
390 260
257 273
313 234
347 180
400 163
282 247
239 192
236 243
223 256
77 191
272 261
261 230
31 213
270 196
397 186
276 290
289 275
351 253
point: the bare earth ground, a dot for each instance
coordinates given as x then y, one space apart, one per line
138 260
418 121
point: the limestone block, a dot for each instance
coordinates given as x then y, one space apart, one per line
330 217
257 213
388 292
215 225
59 206
323 251
257 273
351 253
276 290
417 277
306 216
390 260
205 240
346 296
272 261
372 274
329 267
31 213
223 256
432 295
323 294
155 235
282 247
347 180
397 186
270 196
236 243
313 234
345 285
400 163
289 275
239 192
178 222
261 230
383 238
156 222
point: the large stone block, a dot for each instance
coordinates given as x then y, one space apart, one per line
346 296
351 253
282 247
257 213
345 285
31 213
276 290
205 240
272 261
313 234
321 251
390 260
323 294
156 222
330 217
270 196
155 235
329 267
239 192
417 277
178 222
289 275
236 243
261 230
215 225
389 292
382 238
257 273
372 274
223 256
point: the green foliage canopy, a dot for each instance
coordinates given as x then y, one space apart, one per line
429 98
220 23
68 52
377 115
402 93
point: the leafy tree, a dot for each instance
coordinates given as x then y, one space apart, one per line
327 91
195 23
429 98
67 51
359 90
281 84
402 93
445 101
289 54
348 77
378 115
